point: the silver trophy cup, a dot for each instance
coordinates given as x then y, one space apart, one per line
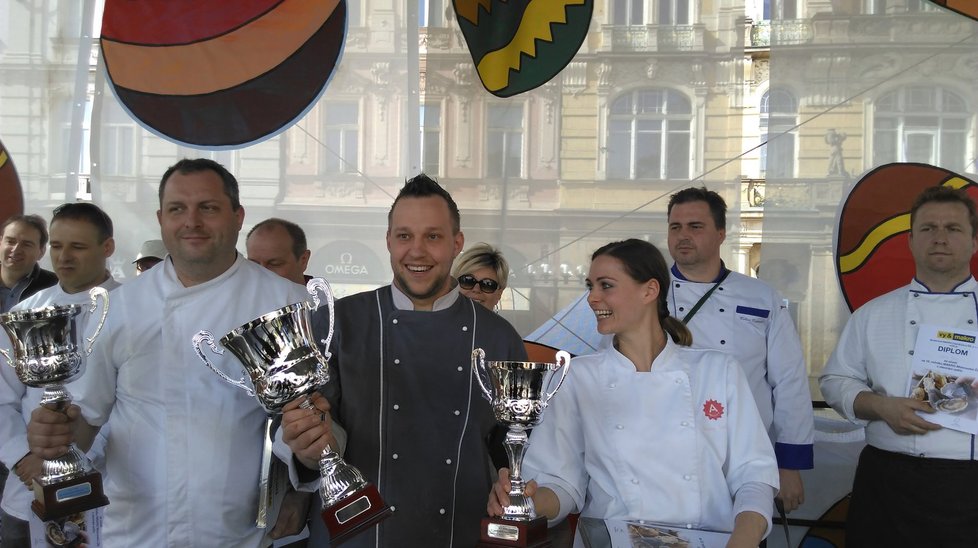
518 394
47 353
282 361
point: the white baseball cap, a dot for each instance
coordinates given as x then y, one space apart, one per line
151 248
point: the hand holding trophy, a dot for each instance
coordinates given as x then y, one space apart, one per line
47 353
279 353
517 392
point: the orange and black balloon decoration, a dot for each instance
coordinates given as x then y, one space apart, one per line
873 238
213 73
518 45
968 8
12 202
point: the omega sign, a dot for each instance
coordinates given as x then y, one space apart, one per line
346 267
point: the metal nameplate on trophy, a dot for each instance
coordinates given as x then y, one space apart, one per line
517 393
47 353
283 362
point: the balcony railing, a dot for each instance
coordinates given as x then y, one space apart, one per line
780 33
652 38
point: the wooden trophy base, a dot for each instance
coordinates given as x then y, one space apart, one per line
520 534
354 514
56 500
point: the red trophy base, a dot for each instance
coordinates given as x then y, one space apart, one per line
354 514
63 498
521 534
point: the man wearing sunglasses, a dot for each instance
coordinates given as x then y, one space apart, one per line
402 386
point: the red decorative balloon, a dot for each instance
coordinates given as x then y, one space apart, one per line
13 197
873 238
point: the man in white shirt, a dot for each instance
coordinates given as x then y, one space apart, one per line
183 454
81 242
915 480
746 318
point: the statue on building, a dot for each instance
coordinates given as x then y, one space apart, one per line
837 163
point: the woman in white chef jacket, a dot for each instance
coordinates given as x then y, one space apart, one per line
648 428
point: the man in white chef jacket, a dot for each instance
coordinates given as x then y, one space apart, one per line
915 481
81 243
184 448
746 318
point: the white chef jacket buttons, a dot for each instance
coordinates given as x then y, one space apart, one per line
448 461
441 511
396 407
619 427
460 368
394 321
397 361
684 423
687 477
394 456
612 385
911 352
465 328
913 322
457 412
635 481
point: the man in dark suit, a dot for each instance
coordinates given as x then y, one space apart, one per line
23 242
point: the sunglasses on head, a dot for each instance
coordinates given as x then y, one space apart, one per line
486 285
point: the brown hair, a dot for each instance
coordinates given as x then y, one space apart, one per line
643 262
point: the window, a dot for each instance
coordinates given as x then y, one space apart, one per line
431 13
779 116
921 124
504 141
341 138
430 138
649 135
628 12
782 9
673 12
891 7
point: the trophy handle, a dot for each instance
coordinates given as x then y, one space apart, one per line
97 293
6 356
479 367
321 284
563 361
206 337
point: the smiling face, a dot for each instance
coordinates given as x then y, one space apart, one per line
942 244
422 246
199 227
78 258
488 300
620 303
20 249
694 240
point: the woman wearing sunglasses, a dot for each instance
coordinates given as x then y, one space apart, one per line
482 272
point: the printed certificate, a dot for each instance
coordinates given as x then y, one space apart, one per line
943 373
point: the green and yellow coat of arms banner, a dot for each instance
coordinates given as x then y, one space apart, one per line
518 45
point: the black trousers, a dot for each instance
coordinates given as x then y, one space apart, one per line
900 500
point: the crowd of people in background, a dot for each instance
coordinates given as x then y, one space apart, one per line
695 358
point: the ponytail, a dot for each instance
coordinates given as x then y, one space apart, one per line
674 327
677 330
